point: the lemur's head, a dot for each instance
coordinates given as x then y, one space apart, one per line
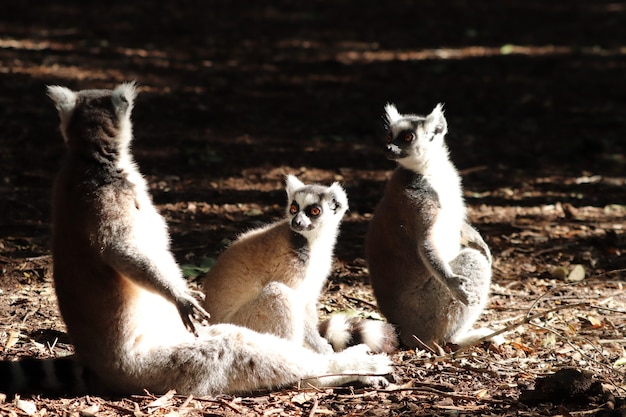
412 138
95 122
312 209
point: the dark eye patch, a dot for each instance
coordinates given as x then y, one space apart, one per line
405 136
294 208
314 210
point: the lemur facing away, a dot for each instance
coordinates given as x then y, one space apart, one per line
270 278
126 305
429 268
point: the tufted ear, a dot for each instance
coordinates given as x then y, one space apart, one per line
338 198
123 97
65 102
64 99
436 123
292 184
391 114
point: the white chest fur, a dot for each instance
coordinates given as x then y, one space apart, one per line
318 266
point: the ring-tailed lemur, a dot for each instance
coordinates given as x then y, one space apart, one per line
127 308
270 278
430 269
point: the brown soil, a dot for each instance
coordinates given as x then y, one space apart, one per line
234 95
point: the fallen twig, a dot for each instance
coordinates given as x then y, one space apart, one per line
217 401
186 402
429 390
527 319
313 408
424 345
358 300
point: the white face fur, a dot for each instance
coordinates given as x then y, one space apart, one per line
311 208
413 140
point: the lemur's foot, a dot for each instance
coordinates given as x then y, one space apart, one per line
462 289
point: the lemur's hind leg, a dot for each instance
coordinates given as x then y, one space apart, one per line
275 310
474 265
231 359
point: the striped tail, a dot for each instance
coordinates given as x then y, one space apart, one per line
341 330
48 377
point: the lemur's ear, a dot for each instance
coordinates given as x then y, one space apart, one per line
64 99
436 123
123 97
65 102
391 114
292 184
338 199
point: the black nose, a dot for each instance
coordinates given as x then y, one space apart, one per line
393 151
297 224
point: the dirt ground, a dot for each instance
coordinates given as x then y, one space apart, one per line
234 95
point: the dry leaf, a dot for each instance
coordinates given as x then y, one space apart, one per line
482 393
12 339
40 346
620 363
163 400
327 412
549 340
445 402
593 321
273 411
302 397
28 407
522 347
90 411
577 274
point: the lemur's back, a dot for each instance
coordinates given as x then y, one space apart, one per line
250 263
99 204
87 290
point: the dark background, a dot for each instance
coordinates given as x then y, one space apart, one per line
236 94
532 89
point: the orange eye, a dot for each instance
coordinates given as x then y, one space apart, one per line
389 138
315 211
408 137
293 209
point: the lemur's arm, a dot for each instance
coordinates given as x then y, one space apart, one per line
472 239
158 272
458 285
312 335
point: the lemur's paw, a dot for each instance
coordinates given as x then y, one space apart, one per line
462 289
189 308
378 382
359 359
